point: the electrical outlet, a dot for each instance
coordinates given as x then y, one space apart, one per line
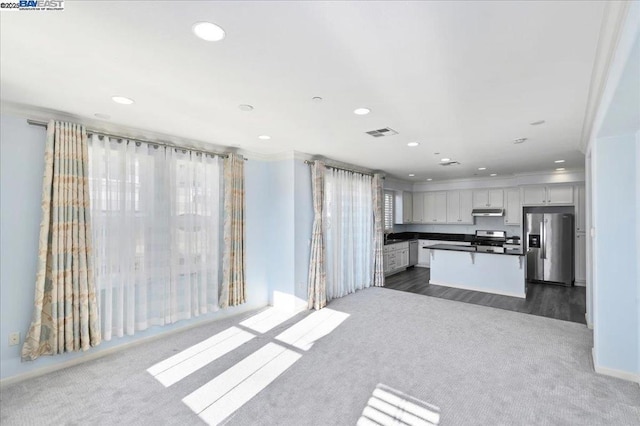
14 338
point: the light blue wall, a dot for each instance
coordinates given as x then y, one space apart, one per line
616 219
279 220
616 282
289 222
21 169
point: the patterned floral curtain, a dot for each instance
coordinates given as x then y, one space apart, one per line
65 315
378 231
233 261
317 286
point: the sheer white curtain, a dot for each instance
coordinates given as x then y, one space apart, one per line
348 217
155 216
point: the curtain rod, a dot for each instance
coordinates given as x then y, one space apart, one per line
342 168
165 144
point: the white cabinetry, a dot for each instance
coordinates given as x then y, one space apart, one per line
581 222
418 207
423 253
407 207
513 207
488 198
547 195
396 257
435 207
581 260
459 206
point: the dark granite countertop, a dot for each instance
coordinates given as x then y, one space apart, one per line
434 236
472 249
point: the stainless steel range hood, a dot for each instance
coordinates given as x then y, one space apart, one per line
487 212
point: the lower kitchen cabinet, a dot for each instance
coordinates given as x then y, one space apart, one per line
396 257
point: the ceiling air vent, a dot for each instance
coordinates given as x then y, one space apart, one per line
387 131
449 163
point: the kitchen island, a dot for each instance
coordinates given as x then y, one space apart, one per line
466 268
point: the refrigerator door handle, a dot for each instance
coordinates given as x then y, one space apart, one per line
543 252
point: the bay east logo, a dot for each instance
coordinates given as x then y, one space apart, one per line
33 5
41 4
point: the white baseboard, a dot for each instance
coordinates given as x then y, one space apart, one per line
483 290
618 374
90 356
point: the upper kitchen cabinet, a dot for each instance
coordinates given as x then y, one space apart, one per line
418 208
547 195
459 207
581 222
435 207
407 207
483 198
513 209
404 207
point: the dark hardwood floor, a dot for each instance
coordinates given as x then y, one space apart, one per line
563 303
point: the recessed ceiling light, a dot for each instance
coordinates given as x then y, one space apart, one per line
316 99
560 169
519 140
411 174
264 137
245 108
412 144
122 100
493 174
444 160
537 123
208 31
429 180
482 168
361 111
102 116
559 161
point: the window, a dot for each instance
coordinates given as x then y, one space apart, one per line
348 220
389 210
155 216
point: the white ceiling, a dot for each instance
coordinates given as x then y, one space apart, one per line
462 78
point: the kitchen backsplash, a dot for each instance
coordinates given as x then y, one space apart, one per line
482 223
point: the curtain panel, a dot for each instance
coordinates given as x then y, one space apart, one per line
378 231
155 213
348 223
233 290
317 282
65 316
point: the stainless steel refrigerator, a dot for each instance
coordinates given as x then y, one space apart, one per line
549 240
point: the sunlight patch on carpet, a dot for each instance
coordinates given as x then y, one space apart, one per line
388 406
267 319
306 332
219 398
179 366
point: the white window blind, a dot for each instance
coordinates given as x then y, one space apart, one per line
388 211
